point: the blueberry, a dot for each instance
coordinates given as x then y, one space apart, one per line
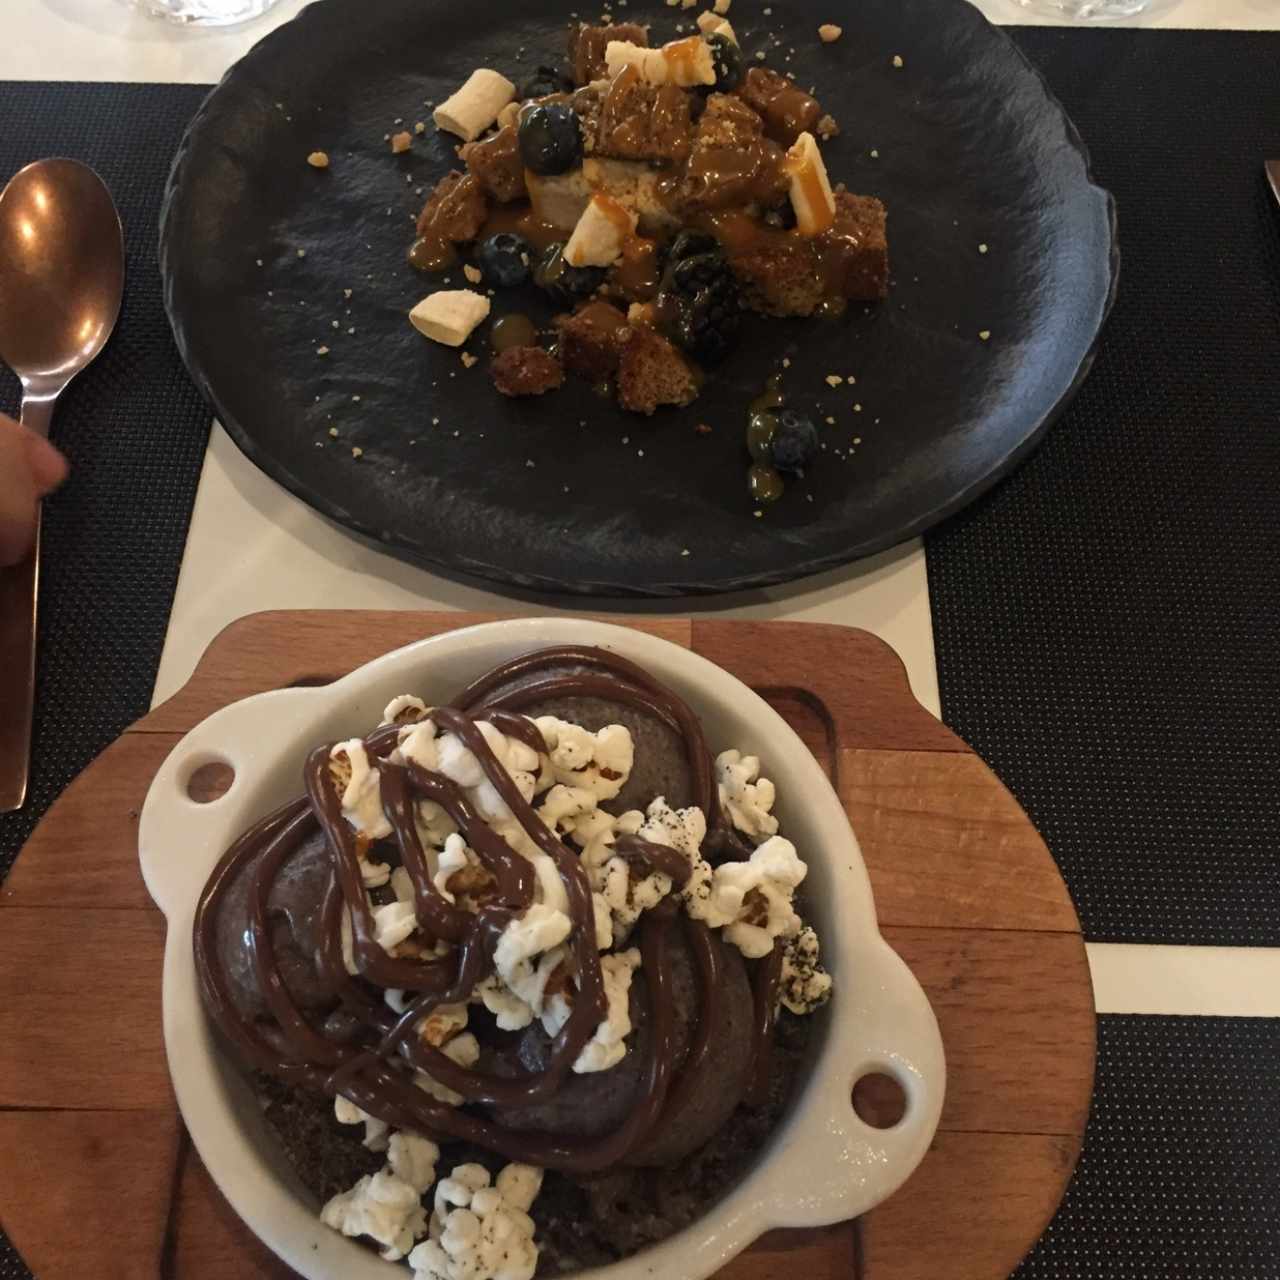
505 259
542 84
563 282
550 141
726 57
795 441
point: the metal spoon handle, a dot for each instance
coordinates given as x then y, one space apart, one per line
19 593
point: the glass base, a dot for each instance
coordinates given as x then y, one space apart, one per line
205 13
1086 10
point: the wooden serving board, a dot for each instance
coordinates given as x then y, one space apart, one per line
96 1172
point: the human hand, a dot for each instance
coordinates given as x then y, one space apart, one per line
30 467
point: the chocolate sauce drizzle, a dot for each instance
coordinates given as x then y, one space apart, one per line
363 1049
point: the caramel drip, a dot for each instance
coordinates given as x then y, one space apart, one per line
365 1051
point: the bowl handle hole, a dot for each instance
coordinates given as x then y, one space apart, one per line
210 781
879 1100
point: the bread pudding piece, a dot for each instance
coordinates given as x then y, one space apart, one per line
732 163
496 165
455 211
639 121
787 110
855 252
587 45
779 273
652 373
526 371
591 340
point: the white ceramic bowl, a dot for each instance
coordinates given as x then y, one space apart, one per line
822 1164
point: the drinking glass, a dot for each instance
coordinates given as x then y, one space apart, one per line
1086 10
206 13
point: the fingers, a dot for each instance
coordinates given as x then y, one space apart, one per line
48 466
30 467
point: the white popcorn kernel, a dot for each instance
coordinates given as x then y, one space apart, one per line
510 1012
374 874
465 1051
519 1185
745 796
405 708
475 106
599 763
603 918
607 1046
453 858
383 1207
413 1159
418 744
433 824
394 923
375 1131
362 796
751 900
805 985
479 1231
449 316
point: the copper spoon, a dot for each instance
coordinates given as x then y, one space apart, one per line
61 279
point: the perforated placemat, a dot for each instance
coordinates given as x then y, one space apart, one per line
1106 620
1181 1169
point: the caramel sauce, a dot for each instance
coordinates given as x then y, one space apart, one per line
681 57
513 330
637 273
771 397
431 253
520 218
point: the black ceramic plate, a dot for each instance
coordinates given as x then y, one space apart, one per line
963 142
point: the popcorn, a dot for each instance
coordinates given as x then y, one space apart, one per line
394 923
745 796
405 709
465 1051
538 933
607 1046
597 762
383 1207
448 755
373 874
375 1131
805 984
362 794
413 1160
478 1231
751 900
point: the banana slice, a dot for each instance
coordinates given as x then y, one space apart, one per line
811 195
449 316
475 106
682 62
602 230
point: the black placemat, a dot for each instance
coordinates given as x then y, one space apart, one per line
1106 621
1181 1169
135 431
